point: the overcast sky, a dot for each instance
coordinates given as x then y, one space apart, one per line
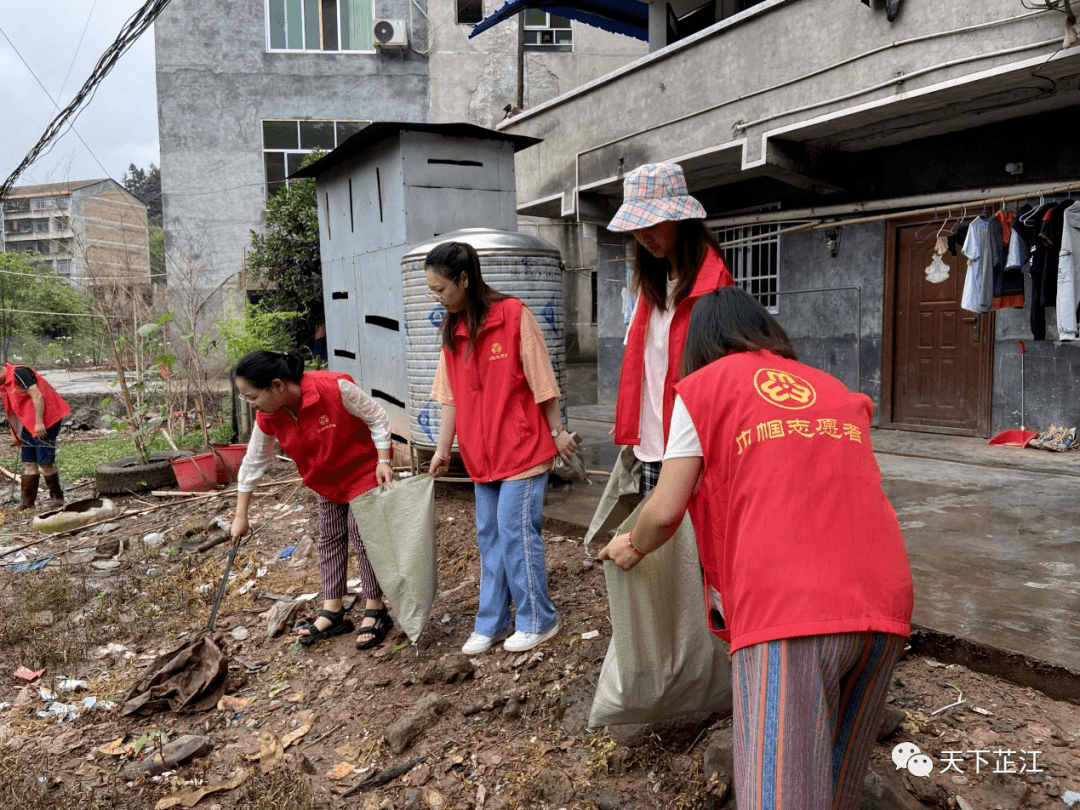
119 124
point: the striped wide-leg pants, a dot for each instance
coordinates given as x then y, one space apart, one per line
335 523
807 713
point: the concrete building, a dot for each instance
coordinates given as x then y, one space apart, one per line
93 233
245 90
832 142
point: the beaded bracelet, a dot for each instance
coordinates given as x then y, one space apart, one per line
630 542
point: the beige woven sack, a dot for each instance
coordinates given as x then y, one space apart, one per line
662 661
398 529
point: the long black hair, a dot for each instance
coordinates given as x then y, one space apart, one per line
260 367
692 243
452 260
731 320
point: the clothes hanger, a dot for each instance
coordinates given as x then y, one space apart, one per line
924 231
941 231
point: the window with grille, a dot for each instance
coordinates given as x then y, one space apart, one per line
63 267
752 253
319 25
285 143
547 32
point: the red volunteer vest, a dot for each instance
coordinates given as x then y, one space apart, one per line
332 448
794 530
712 275
20 408
501 430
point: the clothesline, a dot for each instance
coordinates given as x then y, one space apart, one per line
819 223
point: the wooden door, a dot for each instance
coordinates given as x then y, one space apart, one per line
937 376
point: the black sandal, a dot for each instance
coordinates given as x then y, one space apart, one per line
338 626
377 632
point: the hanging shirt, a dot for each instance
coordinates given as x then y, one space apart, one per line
982 254
1068 289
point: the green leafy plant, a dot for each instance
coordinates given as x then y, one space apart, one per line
256 328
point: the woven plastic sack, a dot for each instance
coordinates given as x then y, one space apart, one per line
662 662
621 495
398 529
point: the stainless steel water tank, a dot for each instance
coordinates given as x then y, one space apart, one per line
513 263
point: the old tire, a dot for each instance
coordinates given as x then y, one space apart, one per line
129 474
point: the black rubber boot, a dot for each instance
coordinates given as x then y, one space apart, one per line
29 490
56 494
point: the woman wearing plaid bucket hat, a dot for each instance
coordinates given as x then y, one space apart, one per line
676 261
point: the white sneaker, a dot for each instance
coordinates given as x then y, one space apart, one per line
479 643
522 641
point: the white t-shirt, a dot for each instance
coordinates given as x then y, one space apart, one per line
651 429
683 440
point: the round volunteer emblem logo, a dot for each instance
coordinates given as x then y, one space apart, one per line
784 389
324 420
496 348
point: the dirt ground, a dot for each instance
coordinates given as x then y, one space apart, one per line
305 727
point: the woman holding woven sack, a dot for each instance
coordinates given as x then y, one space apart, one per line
339 438
676 261
806 574
509 432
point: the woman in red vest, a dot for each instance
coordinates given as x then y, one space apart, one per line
34 413
676 261
509 431
806 574
339 438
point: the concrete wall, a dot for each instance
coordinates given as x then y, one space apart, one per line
823 325
474 79
216 83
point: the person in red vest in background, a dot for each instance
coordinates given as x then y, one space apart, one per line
676 260
499 396
35 412
805 570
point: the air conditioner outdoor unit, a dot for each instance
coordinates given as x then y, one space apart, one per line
390 34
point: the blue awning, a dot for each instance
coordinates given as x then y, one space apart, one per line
627 17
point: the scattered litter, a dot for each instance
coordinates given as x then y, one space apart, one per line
106 565
345 769
63 711
223 524
307 597
247 586
983 712
46 693
590 634
70 685
3 705
29 675
298 508
153 539
1070 797
206 586
960 699
446 619
260 573
235 703
239 633
281 615
105 528
287 552
29 566
111 648
189 797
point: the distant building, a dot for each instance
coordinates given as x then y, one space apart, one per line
93 233
246 90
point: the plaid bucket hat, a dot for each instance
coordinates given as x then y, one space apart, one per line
655 192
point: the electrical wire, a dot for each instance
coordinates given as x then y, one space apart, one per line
129 33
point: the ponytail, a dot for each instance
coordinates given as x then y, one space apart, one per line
261 367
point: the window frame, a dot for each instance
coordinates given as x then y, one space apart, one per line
745 248
458 8
320 29
271 187
552 47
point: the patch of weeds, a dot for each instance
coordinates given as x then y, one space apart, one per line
37 607
24 790
279 789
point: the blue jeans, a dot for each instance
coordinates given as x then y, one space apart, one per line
39 451
508 517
